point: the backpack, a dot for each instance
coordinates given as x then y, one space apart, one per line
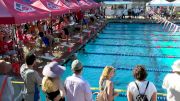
102 95
142 97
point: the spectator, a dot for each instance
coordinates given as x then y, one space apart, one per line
76 87
51 83
6 88
141 87
31 78
171 83
105 81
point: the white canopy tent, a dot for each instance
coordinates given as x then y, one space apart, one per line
159 3
176 3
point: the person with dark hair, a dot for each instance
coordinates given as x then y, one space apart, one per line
31 78
141 89
77 89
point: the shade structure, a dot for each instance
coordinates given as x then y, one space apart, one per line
117 2
159 3
49 6
87 6
16 12
176 3
84 6
72 5
61 4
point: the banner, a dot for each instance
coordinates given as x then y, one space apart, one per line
23 8
52 6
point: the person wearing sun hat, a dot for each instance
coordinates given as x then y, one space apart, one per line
77 89
6 88
51 83
171 82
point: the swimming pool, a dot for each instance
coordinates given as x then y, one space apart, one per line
126 45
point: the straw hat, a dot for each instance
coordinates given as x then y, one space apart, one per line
5 67
176 66
76 65
53 70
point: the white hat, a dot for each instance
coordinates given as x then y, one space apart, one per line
176 66
53 69
76 65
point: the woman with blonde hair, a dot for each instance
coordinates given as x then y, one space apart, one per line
51 83
105 82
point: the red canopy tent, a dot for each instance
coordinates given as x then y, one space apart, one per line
16 12
61 4
73 6
49 6
84 6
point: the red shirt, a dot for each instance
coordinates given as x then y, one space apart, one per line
79 15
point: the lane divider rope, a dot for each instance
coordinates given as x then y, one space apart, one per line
124 91
114 29
143 46
140 39
137 34
130 69
138 55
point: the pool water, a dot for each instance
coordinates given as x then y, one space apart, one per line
139 40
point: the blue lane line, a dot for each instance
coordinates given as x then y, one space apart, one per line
114 29
119 33
137 39
137 55
143 46
130 69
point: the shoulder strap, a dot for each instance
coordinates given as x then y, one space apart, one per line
146 87
137 86
105 87
3 87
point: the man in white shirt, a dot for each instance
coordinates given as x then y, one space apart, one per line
76 87
172 83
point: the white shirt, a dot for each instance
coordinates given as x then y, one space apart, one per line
172 84
142 85
77 89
